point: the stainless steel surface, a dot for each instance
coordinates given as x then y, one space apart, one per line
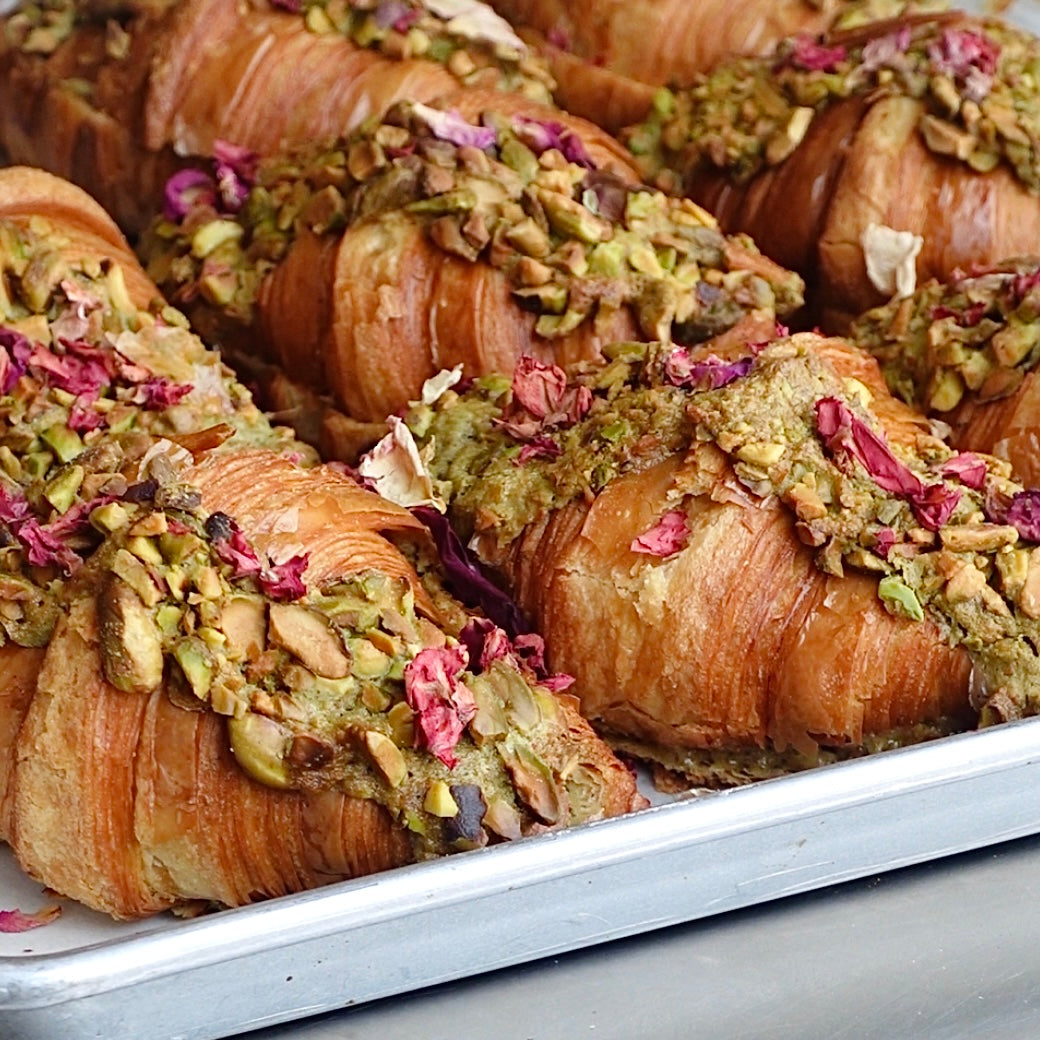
477 912
943 951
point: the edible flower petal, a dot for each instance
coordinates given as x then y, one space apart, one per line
236 173
845 434
467 580
1024 514
705 373
44 547
967 467
398 471
540 135
451 127
969 57
443 705
284 581
667 537
813 56
15 921
185 190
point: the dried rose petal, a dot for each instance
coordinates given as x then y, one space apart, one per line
934 505
284 581
82 369
967 467
15 921
667 537
468 581
157 392
971 58
83 416
705 373
1022 284
236 173
844 433
813 56
538 387
451 127
542 134
396 15
76 519
231 546
443 705
539 448
885 539
886 52
13 506
43 547
1024 514
292 6
185 190
966 319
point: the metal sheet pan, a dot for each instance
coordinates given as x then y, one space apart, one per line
240 969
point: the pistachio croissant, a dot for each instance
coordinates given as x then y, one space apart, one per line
966 351
443 237
608 56
224 677
110 94
751 561
876 156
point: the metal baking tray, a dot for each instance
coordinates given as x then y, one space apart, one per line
87 977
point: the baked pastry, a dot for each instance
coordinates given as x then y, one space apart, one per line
900 149
110 93
966 351
608 56
747 569
467 235
227 678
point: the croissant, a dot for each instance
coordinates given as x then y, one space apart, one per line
746 568
430 241
897 151
110 94
965 351
227 679
608 56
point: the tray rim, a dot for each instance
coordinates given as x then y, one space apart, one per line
38 981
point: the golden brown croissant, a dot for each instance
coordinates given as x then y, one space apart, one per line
877 154
607 56
110 94
442 237
747 569
227 680
966 352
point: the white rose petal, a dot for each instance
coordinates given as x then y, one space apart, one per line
890 256
398 470
436 385
476 21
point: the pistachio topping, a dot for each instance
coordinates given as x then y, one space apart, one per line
977 335
518 194
977 80
949 535
465 36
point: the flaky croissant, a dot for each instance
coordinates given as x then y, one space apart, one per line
608 56
899 150
226 678
111 94
442 238
966 351
659 519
